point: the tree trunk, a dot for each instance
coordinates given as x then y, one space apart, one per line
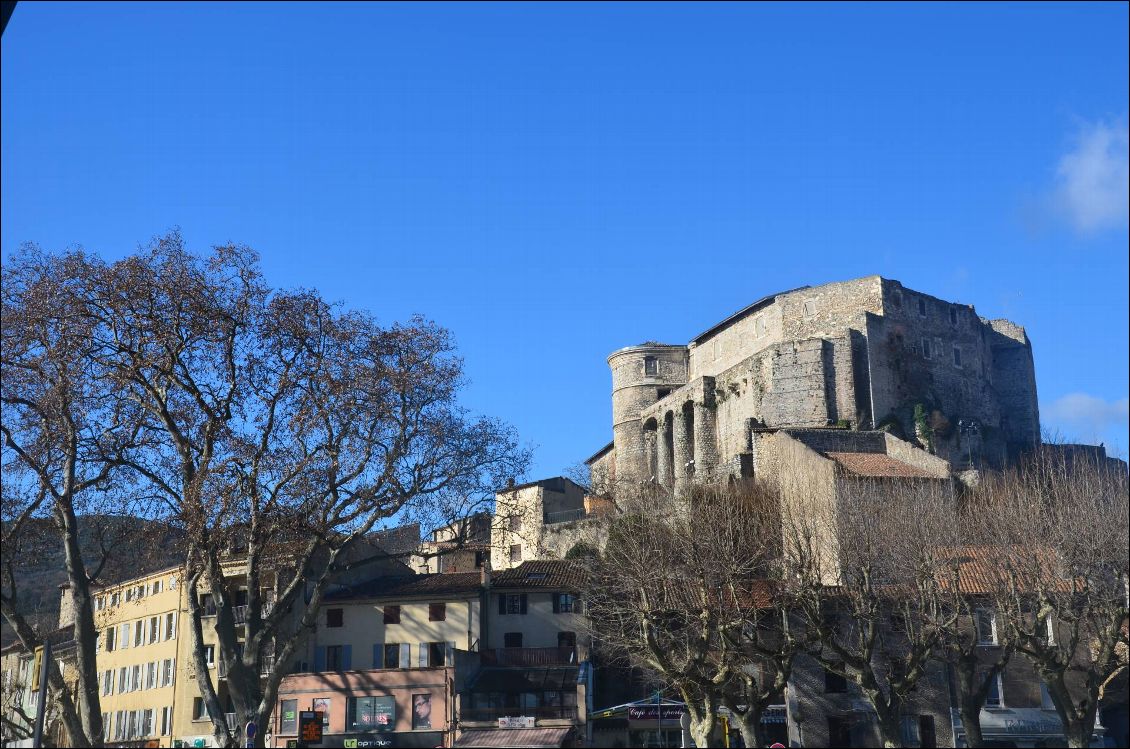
84 632
749 723
889 728
971 722
1078 733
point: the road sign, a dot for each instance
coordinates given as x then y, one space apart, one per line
36 666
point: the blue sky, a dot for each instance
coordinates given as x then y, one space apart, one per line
554 182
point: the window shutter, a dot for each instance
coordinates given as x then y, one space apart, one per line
405 655
423 655
346 657
449 661
557 603
523 603
378 655
501 603
320 658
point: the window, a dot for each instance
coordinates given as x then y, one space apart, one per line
156 587
515 553
995 698
136 676
200 709
925 348
335 617
986 622
512 640
110 633
437 612
210 655
896 299
207 605
922 307
154 629
392 615
334 658
839 731
392 656
107 683
138 633
288 716
166 721
563 603
421 711
437 654
147 722
370 714
322 705
123 674
123 636
151 675
513 603
167 668
953 316
957 356
834 683
99 603
170 625
514 523
927 734
566 639
650 366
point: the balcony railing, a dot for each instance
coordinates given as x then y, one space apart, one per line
529 657
564 516
554 712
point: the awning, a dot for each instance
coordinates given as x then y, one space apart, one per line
533 737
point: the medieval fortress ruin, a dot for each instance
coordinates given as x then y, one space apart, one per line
865 355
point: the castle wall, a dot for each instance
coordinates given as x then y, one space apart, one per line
864 353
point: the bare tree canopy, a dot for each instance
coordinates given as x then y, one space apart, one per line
276 430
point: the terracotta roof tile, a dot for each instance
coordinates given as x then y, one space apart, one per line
546 574
877 465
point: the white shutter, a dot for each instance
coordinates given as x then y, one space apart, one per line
449 661
405 655
423 655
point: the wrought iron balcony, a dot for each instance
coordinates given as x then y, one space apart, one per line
530 657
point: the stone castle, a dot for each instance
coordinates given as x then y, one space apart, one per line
866 354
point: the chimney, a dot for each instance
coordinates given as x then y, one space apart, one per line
510 483
484 573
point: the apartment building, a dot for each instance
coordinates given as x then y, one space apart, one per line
138 624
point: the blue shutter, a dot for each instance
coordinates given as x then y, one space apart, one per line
319 659
346 657
378 655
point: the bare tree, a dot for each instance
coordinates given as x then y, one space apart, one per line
866 557
689 591
287 431
1059 523
64 426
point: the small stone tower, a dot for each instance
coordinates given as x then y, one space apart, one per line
641 375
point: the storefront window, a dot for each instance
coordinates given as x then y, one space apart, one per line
421 711
371 713
289 711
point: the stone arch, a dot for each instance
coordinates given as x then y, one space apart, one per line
651 448
687 415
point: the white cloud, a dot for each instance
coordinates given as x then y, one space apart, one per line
1093 179
1086 413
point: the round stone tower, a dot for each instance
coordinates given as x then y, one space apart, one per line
641 375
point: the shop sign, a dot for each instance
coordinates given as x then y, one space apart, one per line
651 712
517 722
